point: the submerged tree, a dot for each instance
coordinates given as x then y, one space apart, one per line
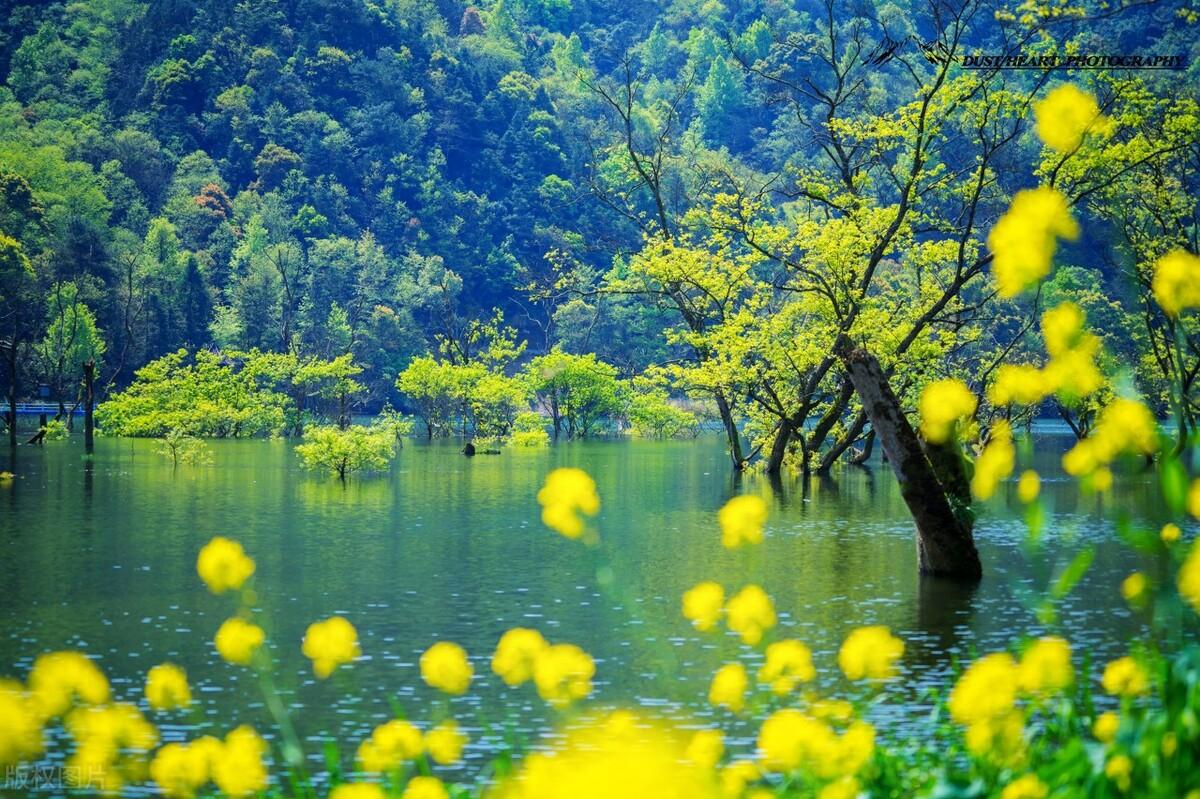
345 450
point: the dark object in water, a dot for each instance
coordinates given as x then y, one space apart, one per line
469 449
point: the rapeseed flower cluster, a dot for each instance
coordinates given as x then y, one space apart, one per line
995 462
1025 238
1176 282
1065 115
167 687
741 520
223 565
870 653
1071 371
1123 426
562 673
329 644
389 746
444 666
567 494
944 404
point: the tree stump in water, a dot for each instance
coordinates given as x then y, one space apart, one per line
945 545
469 449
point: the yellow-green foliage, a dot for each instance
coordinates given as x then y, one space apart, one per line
354 449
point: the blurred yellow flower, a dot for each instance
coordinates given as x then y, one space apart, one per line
1122 426
21 731
736 776
750 613
1133 587
1176 282
1193 498
1105 727
742 519
998 739
620 755
181 769
1046 666
1125 677
841 788
986 690
59 678
1029 485
563 674
445 666
944 403
390 744
239 769
1024 239
223 565
238 640
357 790
1118 770
995 463
1019 384
1064 116
516 652
870 653
1169 745
425 788
329 644
167 687
728 688
567 493
445 742
1188 578
1170 533
1025 787
702 605
109 740
705 748
788 663
789 740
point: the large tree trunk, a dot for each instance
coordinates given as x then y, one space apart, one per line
945 546
844 443
12 395
783 437
89 400
731 432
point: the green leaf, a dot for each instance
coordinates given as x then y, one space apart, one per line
1074 572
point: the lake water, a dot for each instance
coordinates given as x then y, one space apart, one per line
100 555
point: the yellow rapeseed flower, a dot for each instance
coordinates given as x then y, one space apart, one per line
390 744
1025 787
736 776
425 788
1065 115
728 688
109 740
944 403
224 565
516 653
1193 498
1019 384
790 740
1024 239
240 769
181 769
1133 587
238 640
620 755
21 731
702 605
358 790
1176 282
329 644
841 788
445 742
1046 666
870 653
167 687
563 674
986 690
705 748
995 463
998 739
444 666
1170 533
1118 770
1122 426
742 519
1188 579
750 613
567 493
1105 727
1029 485
788 663
59 678
1125 677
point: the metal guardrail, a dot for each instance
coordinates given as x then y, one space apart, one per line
38 408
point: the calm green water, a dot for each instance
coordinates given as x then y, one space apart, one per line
100 555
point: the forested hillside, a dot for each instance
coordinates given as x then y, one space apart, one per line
400 178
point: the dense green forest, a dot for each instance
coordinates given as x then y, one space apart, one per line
705 196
